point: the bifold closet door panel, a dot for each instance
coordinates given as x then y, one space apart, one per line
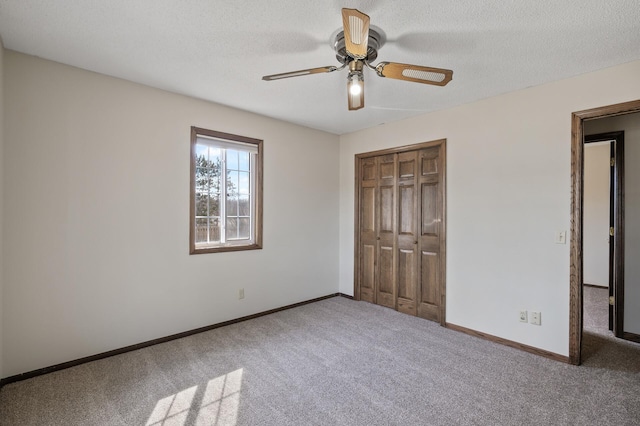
368 231
386 261
407 237
431 227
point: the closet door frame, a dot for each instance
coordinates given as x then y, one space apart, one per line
357 174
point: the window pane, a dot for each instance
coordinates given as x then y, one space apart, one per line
232 182
244 208
215 171
232 206
201 151
214 205
201 231
244 161
201 204
243 227
214 230
202 179
232 228
243 182
232 159
215 182
214 155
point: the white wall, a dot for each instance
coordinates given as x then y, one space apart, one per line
97 216
595 218
631 125
508 192
1 198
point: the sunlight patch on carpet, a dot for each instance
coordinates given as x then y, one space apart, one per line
219 404
174 409
221 400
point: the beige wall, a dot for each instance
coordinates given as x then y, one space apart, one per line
1 201
631 125
97 216
508 193
595 219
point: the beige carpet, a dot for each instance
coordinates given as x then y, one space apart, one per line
335 362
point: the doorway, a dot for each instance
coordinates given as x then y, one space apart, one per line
603 213
577 199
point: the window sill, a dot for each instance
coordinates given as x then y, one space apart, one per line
220 249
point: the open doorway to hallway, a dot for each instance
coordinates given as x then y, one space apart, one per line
603 211
622 133
626 232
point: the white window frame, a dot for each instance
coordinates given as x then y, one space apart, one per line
225 141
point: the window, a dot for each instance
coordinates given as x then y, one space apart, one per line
226 192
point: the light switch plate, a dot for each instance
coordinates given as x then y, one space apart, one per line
561 237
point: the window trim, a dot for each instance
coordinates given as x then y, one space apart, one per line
257 227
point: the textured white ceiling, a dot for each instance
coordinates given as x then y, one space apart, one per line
219 51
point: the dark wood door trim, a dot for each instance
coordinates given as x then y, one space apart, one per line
612 224
356 229
577 188
399 149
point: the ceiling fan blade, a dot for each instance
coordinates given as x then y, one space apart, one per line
299 73
415 73
356 32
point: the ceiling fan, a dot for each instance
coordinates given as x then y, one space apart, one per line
356 47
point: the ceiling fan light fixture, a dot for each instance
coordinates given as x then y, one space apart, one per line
355 90
356 83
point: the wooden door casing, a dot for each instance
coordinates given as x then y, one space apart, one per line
577 189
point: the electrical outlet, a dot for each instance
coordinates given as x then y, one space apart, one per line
536 318
241 293
523 316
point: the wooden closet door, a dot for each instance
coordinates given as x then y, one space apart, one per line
400 233
432 234
386 276
407 249
368 229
